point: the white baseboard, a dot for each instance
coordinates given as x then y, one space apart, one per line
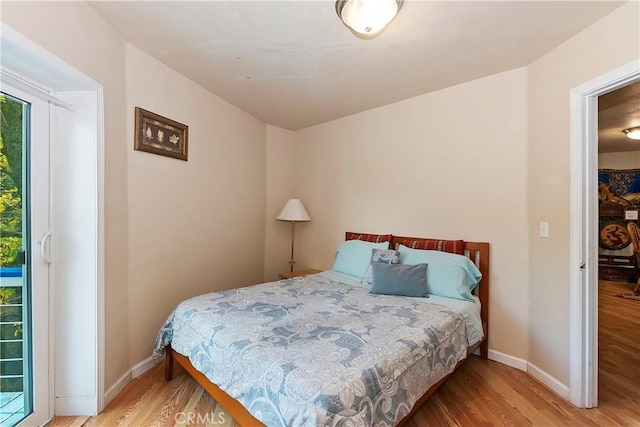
135 371
117 387
533 370
76 405
505 359
144 366
548 380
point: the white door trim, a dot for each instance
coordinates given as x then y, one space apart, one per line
47 75
583 380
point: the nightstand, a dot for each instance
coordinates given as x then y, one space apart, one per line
298 273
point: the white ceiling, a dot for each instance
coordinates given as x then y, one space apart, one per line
294 64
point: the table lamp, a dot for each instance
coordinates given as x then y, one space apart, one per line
293 211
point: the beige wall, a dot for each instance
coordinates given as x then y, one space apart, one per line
279 182
449 164
624 160
76 34
195 226
609 43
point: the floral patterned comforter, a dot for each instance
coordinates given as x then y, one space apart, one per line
310 351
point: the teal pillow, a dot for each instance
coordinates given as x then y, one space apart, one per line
353 257
398 279
448 275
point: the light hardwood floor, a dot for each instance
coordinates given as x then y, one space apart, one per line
619 356
480 393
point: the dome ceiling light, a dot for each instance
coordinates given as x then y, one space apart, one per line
633 133
367 17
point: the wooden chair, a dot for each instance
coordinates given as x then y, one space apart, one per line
634 233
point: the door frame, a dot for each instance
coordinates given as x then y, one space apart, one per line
37 71
583 310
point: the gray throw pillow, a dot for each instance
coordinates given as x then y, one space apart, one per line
399 279
383 256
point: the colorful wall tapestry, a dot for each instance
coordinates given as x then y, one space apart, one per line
618 190
621 186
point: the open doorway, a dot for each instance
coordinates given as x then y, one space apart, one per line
619 247
584 241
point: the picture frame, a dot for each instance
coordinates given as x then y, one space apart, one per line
160 135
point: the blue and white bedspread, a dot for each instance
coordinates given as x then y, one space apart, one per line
311 351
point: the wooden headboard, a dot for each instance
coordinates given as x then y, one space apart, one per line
478 252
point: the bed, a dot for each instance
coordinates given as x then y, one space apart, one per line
321 350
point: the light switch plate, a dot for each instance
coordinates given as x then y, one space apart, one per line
544 229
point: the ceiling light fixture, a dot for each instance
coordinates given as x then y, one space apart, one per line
633 133
367 17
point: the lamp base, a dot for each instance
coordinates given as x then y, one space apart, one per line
293 233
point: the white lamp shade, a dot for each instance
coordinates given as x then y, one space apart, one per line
293 211
368 16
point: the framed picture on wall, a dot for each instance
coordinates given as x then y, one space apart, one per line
160 135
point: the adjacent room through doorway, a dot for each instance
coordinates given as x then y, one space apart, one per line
619 247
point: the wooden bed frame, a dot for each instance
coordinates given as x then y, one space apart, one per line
476 251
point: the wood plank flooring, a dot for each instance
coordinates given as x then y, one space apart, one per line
480 393
619 356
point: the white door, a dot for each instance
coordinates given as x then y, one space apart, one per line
25 394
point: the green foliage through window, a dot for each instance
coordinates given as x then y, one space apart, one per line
10 181
11 151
